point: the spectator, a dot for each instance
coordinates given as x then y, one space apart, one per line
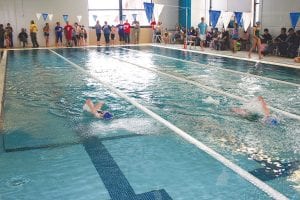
274 46
235 37
158 31
98 32
113 34
2 34
136 31
266 37
68 29
166 36
202 32
46 31
23 36
58 34
244 40
106 31
120 27
84 34
153 27
9 33
177 35
288 43
33 32
127 32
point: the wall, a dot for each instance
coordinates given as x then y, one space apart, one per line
19 13
275 14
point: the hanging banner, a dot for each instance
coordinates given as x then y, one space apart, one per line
149 10
157 10
38 15
238 17
134 17
117 19
65 17
95 17
214 17
294 18
50 17
79 18
45 15
246 17
226 17
123 17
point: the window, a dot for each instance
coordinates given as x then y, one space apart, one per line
256 10
110 11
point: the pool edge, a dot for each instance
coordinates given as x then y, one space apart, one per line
2 84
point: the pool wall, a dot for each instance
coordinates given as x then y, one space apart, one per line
2 82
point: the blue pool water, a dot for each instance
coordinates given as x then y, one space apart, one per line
52 150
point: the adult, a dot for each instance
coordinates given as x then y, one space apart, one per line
106 31
33 31
98 32
127 32
68 33
113 34
46 31
202 32
58 34
256 42
235 37
136 31
120 27
23 37
96 110
2 34
9 33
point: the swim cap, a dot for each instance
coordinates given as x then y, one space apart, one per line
107 116
271 120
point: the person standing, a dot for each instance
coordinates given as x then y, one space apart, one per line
58 34
23 37
256 42
68 33
2 34
9 33
98 32
33 30
127 32
113 34
235 37
136 31
46 31
121 32
106 31
202 32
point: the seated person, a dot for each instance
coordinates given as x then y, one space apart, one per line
255 109
290 40
266 39
276 42
177 35
293 45
23 37
96 110
297 59
158 31
224 42
245 40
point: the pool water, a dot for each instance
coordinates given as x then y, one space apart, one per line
51 149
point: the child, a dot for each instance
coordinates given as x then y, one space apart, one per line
113 34
23 37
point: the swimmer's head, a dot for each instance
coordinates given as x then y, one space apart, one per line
107 116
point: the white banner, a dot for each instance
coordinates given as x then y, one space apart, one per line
225 18
50 16
79 18
157 10
246 20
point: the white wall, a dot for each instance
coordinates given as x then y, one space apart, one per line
169 14
276 14
19 13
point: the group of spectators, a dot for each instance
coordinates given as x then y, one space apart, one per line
75 35
286 44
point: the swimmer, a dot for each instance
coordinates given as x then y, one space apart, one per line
96 109
297 59
254 109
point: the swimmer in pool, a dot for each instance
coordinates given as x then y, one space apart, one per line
96 109
254 109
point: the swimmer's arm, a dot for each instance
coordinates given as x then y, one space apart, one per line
265 107
98 106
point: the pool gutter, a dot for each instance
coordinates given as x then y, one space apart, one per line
2 83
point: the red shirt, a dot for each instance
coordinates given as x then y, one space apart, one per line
126 26
153 24
68 30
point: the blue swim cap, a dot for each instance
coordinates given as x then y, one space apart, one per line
107 116
272 121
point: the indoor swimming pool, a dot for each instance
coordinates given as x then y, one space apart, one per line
173 134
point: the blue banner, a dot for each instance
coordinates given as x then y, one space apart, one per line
214 17
294 18
45 15
149 10
238 16
134 17
65 17
95 17
123 17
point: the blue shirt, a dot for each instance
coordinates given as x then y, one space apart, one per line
98 28
106 29
202 28
58 30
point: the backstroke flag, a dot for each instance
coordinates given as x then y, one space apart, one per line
38 15
149 10
95 17
226 16
45 15
238 17
214 17
65 17
50 17
294 18
246 20
134 17
157 10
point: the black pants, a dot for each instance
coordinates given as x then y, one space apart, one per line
2 42
33 40
106 36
